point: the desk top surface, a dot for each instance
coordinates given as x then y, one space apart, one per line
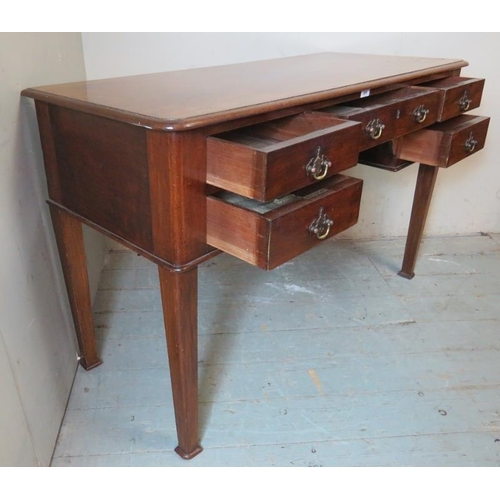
193 98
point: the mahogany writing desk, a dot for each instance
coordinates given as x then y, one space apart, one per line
243 159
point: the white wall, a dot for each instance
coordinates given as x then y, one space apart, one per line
468 194
37 339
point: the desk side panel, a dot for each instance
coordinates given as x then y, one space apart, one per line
100 168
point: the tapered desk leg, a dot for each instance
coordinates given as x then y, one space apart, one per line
179 295
69 237
421 201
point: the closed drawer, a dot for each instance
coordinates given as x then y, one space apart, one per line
390 115
271 159
444 144
457 95
269 234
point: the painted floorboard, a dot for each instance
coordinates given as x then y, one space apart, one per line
255 315
444 285
454 307
283 420
389 265
433 245
143 351
266 287
302 367
126 296
452 449
304 378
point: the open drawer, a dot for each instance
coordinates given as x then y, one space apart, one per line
457 95
444 144
390 115
274 158
269 234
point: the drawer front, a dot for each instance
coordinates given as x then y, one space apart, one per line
268 235
457 95
271 159
387 116
445 144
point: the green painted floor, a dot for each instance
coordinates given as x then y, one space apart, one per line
330 360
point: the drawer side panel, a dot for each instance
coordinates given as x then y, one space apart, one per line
235 167
236 231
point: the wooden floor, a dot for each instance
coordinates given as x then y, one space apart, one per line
330 360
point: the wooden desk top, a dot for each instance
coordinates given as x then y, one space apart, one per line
197 97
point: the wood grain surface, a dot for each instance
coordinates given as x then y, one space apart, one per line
205 96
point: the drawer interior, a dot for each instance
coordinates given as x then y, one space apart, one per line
254 205
377 101
451 82
290 202
278 133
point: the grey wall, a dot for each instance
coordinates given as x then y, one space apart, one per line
37 341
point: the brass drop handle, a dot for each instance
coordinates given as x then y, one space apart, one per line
420 113
470 144
375 128
318 166
320 227
464 102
